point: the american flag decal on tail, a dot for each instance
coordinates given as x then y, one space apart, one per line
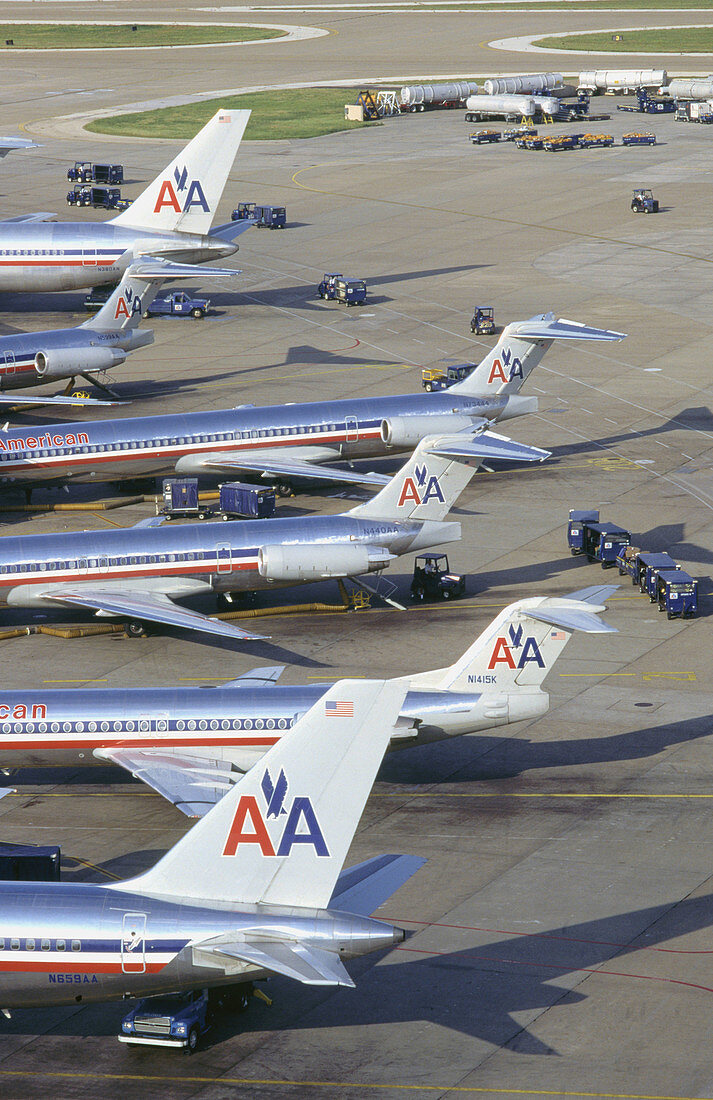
339 709
558 635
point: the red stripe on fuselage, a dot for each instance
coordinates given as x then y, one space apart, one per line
150 741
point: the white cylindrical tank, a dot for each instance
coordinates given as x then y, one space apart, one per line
681 88
502 105
413 95
523 85
548 104
602 80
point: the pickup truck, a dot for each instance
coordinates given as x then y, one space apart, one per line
178 303
180 1019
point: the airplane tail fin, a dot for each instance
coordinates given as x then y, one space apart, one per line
429 484
186 194
518 648
139 286
281 834
518 351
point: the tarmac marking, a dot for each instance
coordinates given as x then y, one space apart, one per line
84 680
573 674
111 522
528 794
59 1075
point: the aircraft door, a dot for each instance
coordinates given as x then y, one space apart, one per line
352 426
153 723
225 564
133 943
83 566
89 257
8 366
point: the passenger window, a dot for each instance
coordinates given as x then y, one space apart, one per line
14 944
29 944
76 945
45 945
61 945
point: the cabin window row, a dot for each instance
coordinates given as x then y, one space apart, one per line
144 725
14 943
106 563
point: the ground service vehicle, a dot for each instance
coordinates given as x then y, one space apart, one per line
109 198
599 541
270 217
327 289
560 144
432 579
181 1019
178 304
643 201
351 292
514 132
653 565
180 498
636 138
485 137
628 562
435 378
243 211
677 593
83 172
483 321
595 141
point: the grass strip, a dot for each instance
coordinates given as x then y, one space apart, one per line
678 40
279 115
53 36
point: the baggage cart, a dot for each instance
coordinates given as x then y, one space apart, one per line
677 594
30 863
246 501
653 565
180 498
575 528
351 292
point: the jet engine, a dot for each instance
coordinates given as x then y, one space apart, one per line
64 362
408 431
317 560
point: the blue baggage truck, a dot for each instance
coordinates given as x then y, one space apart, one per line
30 863
270 217
246 501
677 593
649 568
352 292
575 528
180 498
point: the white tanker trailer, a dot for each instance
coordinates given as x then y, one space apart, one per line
484 106
689 88
433 95
523 85
620 80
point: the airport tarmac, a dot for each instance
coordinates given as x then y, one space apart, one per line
562 928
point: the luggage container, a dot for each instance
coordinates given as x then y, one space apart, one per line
108 173
627 562
677 594
653 564
352 292
270 217
246 501
29 863
180 498
575 528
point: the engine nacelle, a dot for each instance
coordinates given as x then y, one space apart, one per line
318 560
64 362
408 431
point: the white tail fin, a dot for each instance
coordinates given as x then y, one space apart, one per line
185 196
517 649
429 484
518 351
281 835
139 286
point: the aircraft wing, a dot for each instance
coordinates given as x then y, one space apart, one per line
192 783
153 606
265 676
363 888
287 467
21 400
22 219
309 965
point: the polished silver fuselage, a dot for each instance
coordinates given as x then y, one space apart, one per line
65 943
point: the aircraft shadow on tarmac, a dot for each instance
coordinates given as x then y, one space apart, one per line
692 419
492 758
481 990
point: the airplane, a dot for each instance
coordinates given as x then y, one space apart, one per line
297 442
191 745
255 888
104 341
139 571
171 219
9 144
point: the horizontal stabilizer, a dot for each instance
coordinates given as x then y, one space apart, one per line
595 594
309 965
549 327
151 606
363 888
231 230
488 446
572 619
149 268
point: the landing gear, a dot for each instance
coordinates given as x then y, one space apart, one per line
135 629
